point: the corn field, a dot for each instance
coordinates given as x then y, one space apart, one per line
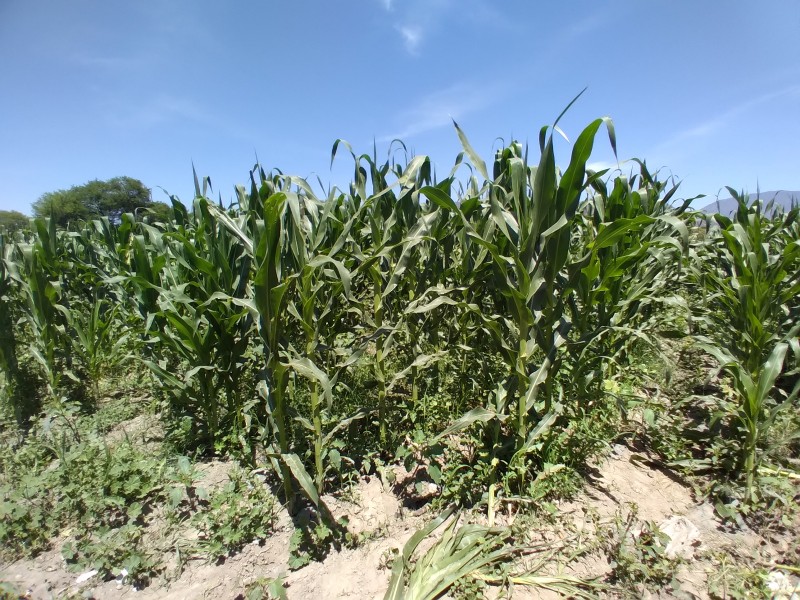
318 334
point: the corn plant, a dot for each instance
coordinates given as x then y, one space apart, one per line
386 272
8 343
386 229
524 237
747 276
201 326
318 299
96 340
35 269
140 278
625 284
269 244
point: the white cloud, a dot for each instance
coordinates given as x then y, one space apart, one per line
601 165
412 36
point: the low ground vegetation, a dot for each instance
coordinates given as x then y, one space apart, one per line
496 334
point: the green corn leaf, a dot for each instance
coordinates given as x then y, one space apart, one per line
476 160
772 370
611 233
476 415
305 367
344 423
571 184
421 361
295 465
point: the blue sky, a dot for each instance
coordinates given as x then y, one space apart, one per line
708 91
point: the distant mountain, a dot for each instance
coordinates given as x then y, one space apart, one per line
728 205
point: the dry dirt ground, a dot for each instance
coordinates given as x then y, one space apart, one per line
375 510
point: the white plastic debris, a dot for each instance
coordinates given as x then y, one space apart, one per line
683 537
121 578
782 587
86 576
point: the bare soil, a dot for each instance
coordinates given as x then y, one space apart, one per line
376 512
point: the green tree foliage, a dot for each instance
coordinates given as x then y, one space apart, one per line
12 220
94 199
159 211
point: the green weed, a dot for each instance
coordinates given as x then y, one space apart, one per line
637 551
241 512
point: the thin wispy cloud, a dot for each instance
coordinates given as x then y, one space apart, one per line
416 20
487 14
166 110
167 17
158 111
586 25
161 22
720 122
438 109
110 62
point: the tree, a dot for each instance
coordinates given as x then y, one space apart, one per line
94 199
12 220
158 211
